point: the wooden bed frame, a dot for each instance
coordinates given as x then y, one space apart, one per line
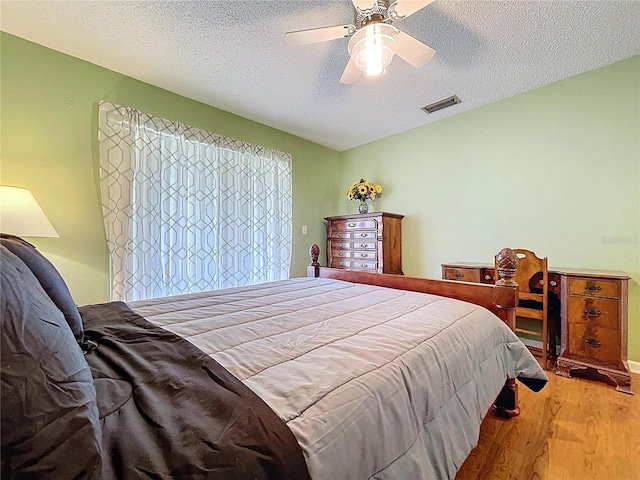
501 299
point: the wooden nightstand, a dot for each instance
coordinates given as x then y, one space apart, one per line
369 242
594 326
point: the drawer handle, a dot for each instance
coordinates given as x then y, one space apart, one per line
344 254
351 224
592 312
364 235
592 288
459 275
364 254
486 277
363 245
553 283
592 342
364 265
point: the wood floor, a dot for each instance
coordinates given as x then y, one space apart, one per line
574 429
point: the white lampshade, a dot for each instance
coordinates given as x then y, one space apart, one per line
372 47
21 215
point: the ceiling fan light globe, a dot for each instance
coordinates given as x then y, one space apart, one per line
372 47
378 74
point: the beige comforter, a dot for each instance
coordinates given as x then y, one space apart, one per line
373 382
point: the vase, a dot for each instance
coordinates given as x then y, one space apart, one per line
364 207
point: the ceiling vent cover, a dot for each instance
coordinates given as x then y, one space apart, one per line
440 104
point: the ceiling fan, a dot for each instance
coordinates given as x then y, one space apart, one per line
373 40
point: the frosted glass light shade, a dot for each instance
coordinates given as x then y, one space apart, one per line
21 215
372 47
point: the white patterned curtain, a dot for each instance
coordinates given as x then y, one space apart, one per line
186 210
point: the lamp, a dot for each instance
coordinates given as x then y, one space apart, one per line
372 47
21 215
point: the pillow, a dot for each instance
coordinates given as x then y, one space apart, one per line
50 426
49 278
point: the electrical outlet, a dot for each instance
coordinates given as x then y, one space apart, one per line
304 229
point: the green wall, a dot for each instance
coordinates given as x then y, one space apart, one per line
48 144
555 170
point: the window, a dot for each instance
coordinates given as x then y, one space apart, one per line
187 210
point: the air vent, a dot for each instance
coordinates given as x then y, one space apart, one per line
440 104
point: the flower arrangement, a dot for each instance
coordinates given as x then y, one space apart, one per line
363 190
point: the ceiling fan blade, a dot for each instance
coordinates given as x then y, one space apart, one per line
351 73
404 8
364 4
315 35
413 51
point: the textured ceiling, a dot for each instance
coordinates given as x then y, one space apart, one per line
231 54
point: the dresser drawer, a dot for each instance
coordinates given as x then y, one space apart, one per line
365 245
594 342
364 265
337 262
487 275
341 254
462 274
357 236
365 255
355 224
360 236
340 245
597 312
341 235
595 287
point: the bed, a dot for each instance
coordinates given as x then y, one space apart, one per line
335 375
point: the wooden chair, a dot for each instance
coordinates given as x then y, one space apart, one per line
532 276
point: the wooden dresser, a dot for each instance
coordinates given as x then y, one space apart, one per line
365 241
594 326
594 316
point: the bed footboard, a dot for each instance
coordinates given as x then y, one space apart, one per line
501 298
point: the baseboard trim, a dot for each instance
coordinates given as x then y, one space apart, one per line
634 366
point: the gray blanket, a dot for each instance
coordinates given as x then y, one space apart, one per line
373 382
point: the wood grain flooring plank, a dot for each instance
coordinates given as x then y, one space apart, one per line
574 429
